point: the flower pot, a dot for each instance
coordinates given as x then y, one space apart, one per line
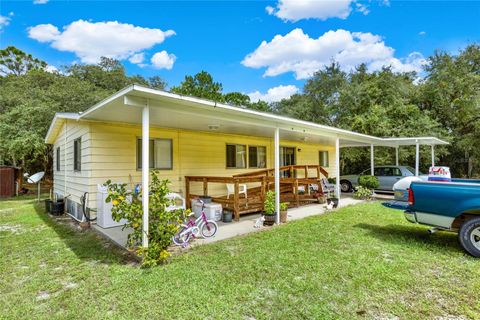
321 199
283 216
227 215
57 208
269 220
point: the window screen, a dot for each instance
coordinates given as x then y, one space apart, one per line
57 159
77 154
323 159
236 156
257 157
160 154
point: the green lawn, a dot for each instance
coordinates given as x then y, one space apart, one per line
359 262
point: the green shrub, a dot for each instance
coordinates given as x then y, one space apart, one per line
269 204
369 182
162 224
362 193
283 206
332 180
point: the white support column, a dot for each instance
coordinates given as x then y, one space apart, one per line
145 171
277 174
337 171
372 160
417 158
433 155
396 156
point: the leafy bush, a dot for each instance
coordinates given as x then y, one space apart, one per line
162 224
332 180
269 204
369 182
362 193
283 206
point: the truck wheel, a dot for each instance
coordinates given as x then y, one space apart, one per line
346 186
469 236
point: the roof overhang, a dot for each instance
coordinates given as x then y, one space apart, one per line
169 110
58 120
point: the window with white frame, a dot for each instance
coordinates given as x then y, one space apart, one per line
160 154
236 156
323 159
257 157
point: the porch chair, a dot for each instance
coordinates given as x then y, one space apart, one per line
178 202
328 187
242 188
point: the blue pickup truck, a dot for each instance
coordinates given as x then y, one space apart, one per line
453 206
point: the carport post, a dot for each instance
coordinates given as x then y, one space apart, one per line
145 171
433 155
396 155
277 174
337 171
372 161
417 158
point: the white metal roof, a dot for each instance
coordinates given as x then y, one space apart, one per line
184 112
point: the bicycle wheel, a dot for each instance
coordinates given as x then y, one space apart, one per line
182 237
209 229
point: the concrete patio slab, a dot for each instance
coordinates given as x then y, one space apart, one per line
233 229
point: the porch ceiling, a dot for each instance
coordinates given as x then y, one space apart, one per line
181 112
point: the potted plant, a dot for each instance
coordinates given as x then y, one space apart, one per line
269 209
283 212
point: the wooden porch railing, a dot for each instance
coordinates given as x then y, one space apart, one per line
289 188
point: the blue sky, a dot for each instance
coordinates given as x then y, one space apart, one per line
224 38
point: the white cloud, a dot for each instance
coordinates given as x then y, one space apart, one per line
422 33
137 58
362 8
92 40
5 20
163 60
297 52
294 10
274 94
40 1
44 33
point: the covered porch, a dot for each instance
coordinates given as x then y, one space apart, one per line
244 226
158 109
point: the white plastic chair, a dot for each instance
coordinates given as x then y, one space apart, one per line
175 197
242 188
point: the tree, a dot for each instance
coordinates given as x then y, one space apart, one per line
157 82
200 85
237 99
451 92
15 61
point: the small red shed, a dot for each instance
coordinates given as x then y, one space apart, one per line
10 181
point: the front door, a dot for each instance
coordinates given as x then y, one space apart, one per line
287 158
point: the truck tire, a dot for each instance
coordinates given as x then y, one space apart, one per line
469 236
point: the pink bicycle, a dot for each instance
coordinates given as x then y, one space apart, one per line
195 228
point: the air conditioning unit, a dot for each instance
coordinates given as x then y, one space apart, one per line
74 210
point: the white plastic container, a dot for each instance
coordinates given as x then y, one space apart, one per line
213 210
104 210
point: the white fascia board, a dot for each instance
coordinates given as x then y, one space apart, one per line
263 118
57 120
